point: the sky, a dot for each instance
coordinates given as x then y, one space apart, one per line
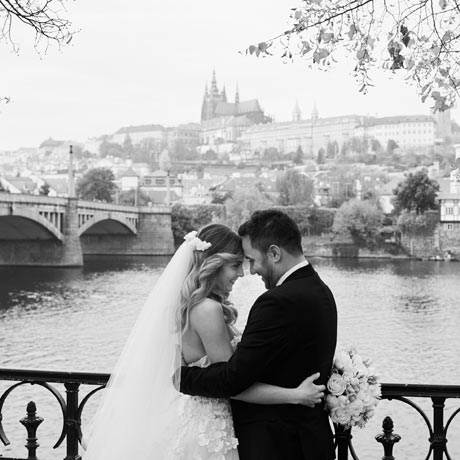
149 63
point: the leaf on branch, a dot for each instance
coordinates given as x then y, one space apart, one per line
447 37
305 48
352 31
320 54
436 50
361 54
262 47
443 4
327 37
251 49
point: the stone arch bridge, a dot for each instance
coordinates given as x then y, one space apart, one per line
42 230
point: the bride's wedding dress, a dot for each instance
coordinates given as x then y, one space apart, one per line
206 431
142 414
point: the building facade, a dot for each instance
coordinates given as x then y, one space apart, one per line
406 130
309 134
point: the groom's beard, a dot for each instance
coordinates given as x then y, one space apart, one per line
270 279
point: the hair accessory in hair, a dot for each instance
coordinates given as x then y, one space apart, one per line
195 242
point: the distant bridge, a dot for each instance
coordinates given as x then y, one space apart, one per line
42 230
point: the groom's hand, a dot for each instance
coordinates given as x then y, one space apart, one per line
310 394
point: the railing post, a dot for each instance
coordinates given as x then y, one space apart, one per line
438 440
343 437
31 422
387 438
71 421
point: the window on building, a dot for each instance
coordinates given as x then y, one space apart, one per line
449 210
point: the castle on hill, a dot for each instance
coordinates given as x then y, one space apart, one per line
216 105
223 121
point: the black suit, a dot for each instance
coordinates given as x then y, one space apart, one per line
290 334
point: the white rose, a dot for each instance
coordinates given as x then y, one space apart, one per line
342 360
340 415
365 397
357 361
336 385
347 377
332 402
375 390
356 407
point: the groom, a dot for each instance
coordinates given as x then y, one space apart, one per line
290 334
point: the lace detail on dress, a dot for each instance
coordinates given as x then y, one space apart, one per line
206 431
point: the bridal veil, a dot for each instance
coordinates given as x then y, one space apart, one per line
139 411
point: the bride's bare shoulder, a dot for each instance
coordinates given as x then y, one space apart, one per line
206 309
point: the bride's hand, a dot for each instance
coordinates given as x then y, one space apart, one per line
309 393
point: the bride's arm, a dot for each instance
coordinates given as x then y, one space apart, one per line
307 393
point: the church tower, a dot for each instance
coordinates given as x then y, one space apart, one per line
314 112
296 112
237 95
211 98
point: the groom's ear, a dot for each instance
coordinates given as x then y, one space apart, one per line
274 253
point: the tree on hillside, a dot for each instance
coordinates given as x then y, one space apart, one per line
110 149
97 185
243 203
417 37
298 156
128 148
416 193
391 146
361 220
294 187
44 189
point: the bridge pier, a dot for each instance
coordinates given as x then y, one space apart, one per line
72 255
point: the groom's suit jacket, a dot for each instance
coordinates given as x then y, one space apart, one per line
290 334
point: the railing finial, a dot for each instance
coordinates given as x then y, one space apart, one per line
31 422
388 438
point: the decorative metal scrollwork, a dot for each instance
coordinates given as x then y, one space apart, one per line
53 391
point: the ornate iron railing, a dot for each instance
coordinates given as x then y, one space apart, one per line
72 408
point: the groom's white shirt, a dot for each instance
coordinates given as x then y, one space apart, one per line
291 271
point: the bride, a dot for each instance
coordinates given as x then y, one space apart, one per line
187 320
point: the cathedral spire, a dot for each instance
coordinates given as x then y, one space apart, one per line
314 112
214 89
206 90
296 112
237 94
224 94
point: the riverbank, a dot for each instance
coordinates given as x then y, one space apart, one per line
324 246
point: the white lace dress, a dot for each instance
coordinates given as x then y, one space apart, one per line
206 431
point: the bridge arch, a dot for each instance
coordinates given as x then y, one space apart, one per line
114 225
36 218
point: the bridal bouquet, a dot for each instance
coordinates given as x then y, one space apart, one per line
353 390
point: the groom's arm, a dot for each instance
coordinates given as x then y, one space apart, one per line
264 342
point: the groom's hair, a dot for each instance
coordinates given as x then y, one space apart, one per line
272 226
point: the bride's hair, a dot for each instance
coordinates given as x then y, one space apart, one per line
200 282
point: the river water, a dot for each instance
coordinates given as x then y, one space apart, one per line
404 315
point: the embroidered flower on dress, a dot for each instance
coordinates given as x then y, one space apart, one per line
195 242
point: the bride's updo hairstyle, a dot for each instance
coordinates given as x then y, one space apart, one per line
200 283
